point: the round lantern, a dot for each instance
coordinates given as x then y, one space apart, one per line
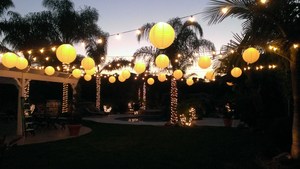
162 77
161 35
204 62
251 55
9 59
210 75
177 74
236 72
22 63
87 77
66 53
126 74
189 81
139 67
150 81
162 61
91 71
121 78
49 70
87 63
112 79
76 73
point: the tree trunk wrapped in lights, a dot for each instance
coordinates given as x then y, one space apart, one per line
144 103
174 101
98 90
27 90
65 104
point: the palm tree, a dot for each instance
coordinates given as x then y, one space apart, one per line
61 23
268 23
188 41
4 6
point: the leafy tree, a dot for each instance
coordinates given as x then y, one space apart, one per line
268 23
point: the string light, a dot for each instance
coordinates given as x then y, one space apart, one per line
174 102
98 90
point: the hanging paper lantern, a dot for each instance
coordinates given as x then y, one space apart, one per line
76 73
210 75
112 79
139 67
204 62
121 78
9 59
87 77
66 53
150 81
162 77
161 35
189 81
236 72
162 61
22 63
177 74
87 63
49 70
91 71
251 55
126 74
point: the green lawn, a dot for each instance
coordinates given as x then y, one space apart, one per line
138 147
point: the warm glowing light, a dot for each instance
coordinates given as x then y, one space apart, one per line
204 62
150 81
192 19
229 83
126 74
49 70
53 49
9 59
224 10
139 67
76 73
112 79
29 52
295 46
162 77
161 35
42 50
82 44
177 74
91 71
162 61
66 53
47 58
87 77
87 63
263 1
236 72
138 32
251 55
210 75
99 41
22 63
121 78
189 81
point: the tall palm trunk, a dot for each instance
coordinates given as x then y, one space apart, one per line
98 90
295 75
174 101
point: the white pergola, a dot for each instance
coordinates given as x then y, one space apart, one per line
21 78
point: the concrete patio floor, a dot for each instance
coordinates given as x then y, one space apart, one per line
49 135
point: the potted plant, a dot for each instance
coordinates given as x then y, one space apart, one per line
74 121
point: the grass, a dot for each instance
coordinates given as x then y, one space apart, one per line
144 147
